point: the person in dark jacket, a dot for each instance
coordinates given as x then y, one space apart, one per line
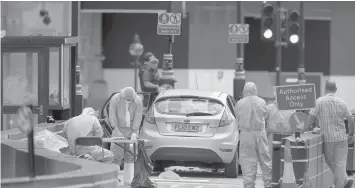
149 77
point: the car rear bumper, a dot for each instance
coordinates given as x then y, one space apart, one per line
217 149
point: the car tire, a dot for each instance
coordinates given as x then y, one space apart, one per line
231 169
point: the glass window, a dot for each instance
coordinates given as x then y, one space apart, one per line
66 74
54 95
9 121
20 78
186 105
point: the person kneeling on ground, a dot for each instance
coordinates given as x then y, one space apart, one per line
86 124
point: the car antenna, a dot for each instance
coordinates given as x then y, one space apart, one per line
196 82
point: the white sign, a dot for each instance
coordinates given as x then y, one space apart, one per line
238 33
169 23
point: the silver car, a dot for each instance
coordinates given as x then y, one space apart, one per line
192 128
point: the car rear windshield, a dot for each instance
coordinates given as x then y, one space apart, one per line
187 105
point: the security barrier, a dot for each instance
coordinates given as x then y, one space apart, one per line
308 157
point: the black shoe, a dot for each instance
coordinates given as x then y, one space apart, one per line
349 184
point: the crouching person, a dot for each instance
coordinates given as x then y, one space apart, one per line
86 124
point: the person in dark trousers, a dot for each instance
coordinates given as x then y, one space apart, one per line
149 77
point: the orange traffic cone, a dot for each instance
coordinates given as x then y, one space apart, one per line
288 178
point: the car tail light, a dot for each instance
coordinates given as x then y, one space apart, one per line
149 116
226 119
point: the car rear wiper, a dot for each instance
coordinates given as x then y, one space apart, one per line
198 114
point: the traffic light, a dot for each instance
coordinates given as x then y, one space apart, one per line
268 23
294 27
283 26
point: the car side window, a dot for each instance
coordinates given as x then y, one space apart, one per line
231 106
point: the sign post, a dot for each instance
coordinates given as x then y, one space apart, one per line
25 123
296 97
168 24
238 33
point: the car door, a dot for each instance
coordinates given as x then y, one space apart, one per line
231 104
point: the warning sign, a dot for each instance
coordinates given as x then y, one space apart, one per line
169 24
238 33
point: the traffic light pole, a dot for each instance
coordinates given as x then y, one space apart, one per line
301 67
239 74
278 45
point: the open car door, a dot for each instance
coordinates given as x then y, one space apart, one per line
104 112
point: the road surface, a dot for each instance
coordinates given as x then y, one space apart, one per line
211 179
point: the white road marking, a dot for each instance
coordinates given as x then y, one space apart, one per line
174 186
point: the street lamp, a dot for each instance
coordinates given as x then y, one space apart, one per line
136 50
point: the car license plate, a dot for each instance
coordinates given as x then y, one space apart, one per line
187 128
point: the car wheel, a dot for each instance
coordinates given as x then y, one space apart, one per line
231 169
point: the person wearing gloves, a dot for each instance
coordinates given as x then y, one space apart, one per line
84 125
149 77
126 111
251 112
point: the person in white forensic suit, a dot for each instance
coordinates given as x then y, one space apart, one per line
125 116
86 124
277 122
251 112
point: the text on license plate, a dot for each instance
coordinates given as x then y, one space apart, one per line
187 128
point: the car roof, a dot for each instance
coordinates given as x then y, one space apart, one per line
193 92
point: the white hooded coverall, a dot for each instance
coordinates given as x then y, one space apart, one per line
125 118
251 111
84 125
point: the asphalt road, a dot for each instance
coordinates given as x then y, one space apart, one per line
201 178
192 177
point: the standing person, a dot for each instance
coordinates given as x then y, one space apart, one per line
149 77
84 125
331 111
277 122
251 111
126 110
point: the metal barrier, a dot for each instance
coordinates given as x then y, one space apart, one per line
308 157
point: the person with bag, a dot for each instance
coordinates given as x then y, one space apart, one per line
126 111
86 124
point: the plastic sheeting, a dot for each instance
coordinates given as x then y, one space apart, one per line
143 168
49 140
